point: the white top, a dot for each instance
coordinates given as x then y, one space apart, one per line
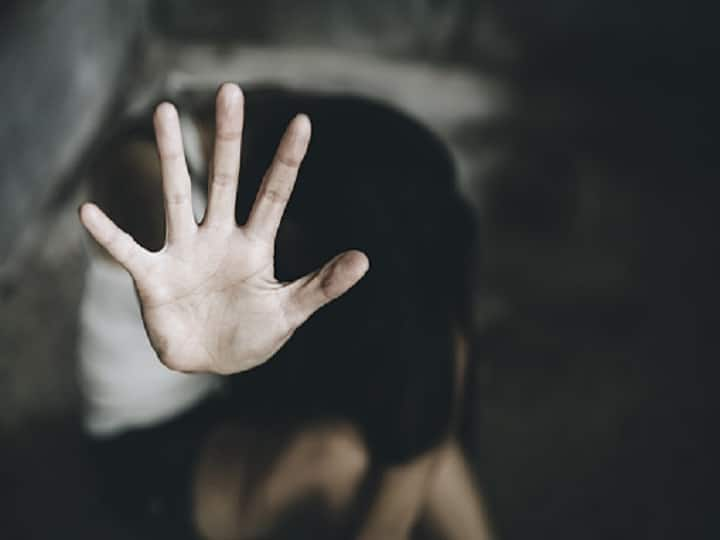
124 384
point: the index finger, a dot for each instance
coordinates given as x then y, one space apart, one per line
175 176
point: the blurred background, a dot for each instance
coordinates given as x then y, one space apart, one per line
583 136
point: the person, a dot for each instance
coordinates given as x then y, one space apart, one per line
356 407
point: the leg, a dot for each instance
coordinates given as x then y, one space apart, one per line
436 485
454 507
245 482
396 500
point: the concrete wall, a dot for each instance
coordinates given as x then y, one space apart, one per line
61 64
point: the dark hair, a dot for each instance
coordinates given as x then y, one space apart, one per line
375 180
124 180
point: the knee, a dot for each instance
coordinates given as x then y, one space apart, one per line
339 456
346 451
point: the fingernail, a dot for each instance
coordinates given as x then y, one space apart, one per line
302 124
165 110
231 94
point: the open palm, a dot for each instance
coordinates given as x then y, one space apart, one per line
209 297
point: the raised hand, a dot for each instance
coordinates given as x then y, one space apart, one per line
209 297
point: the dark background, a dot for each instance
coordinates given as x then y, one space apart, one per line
592 174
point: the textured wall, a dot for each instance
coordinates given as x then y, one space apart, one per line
60 63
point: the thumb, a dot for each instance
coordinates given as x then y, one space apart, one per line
313 291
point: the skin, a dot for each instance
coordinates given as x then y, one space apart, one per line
233 501
209 298
210 302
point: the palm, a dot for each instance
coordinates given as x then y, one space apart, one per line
209 298
210 286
